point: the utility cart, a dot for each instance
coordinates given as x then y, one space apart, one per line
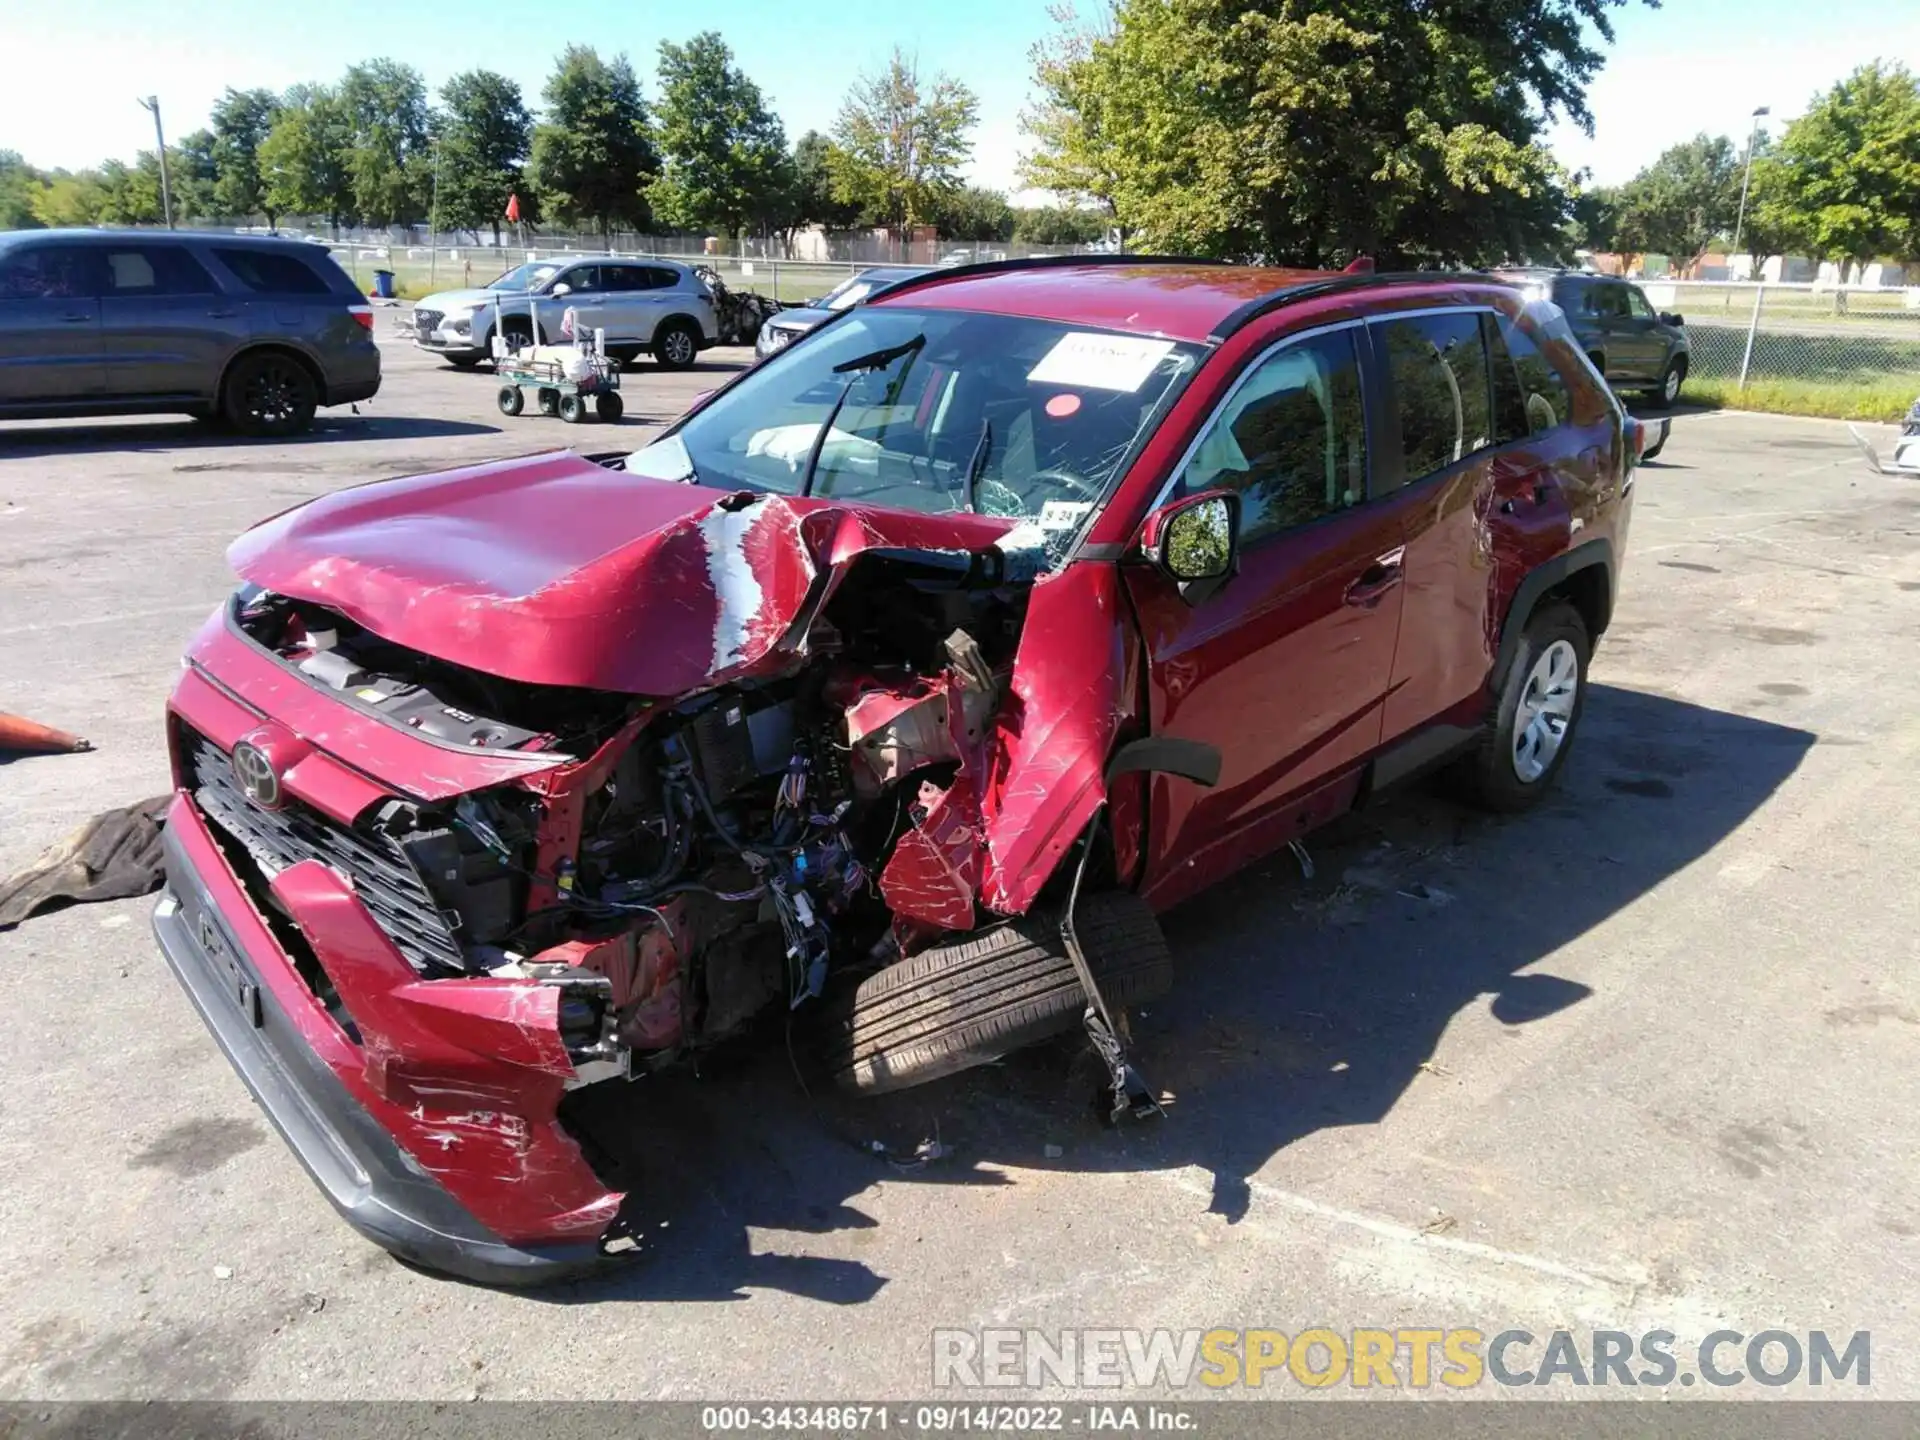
564 380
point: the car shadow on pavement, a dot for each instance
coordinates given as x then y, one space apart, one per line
94 437
1300 1005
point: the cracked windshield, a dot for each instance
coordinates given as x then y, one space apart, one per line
934 410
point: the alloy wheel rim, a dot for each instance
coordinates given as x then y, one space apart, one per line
270 398
1545 711
679 347
1673 381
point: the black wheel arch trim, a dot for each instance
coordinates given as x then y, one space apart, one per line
316 372
1537 582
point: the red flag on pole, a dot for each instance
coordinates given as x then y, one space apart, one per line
513 208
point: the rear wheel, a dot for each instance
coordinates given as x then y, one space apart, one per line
981 996
511 401
1671 379
1527 738
464 362
608 407
572 409
548 401
676 346
269 393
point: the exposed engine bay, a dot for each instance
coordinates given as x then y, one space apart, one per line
697 863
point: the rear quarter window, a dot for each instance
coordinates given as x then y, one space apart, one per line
279 272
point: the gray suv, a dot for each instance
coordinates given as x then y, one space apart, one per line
249 330
1630 343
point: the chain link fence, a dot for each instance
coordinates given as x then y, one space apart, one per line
1800 339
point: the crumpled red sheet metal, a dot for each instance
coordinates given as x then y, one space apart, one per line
556 571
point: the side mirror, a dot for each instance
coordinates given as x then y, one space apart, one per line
1195 541
1669 318
561 289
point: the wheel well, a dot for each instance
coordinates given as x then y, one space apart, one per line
1587 591
685 322
305 361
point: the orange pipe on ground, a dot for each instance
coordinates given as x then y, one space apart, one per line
18 734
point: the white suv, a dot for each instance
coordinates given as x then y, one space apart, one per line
656 306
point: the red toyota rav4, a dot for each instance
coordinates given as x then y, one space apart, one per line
888 694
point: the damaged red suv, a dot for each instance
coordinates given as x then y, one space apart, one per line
888 695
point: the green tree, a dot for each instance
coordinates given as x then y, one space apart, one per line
1683 202
20 184
241 122
67 199
303 159
1317 133
594 155
1060 225
721 147
973 213
1593 218
1849 169
901 142
388 159
485 133
814 200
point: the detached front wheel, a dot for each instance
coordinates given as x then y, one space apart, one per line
981 996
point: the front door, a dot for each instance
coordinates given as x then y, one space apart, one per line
1285 668
166 328
50 326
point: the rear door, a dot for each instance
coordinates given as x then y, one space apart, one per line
1442 469
50 325
1644 332
167 328
1285 668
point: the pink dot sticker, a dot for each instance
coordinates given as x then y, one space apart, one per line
1061 406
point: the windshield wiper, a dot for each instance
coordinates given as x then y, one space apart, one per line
853 369
977 463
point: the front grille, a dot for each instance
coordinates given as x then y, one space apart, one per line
381 877
424 321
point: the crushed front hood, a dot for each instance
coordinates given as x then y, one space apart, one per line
556 571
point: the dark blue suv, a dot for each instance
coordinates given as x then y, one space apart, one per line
253 331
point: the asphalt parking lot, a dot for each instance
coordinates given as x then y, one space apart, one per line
1644 1059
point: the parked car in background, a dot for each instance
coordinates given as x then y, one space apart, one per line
1016 605
783 329
257 332
657 307
1632 345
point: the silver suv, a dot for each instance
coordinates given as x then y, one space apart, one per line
645 306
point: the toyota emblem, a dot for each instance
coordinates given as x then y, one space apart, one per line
255 774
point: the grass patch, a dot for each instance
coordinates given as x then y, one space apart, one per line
1881 399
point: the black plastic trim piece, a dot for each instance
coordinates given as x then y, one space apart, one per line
1192 760
1246 314
1031 262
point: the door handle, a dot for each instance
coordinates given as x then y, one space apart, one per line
81 318
1382 575
226 313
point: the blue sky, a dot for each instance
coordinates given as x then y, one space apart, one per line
75 66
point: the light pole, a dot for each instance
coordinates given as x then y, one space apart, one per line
152 102
1740 221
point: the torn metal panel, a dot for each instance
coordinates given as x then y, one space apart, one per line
1053 735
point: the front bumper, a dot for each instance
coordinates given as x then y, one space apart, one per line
236 975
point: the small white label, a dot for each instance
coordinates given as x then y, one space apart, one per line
1100 362
1063 514
746 267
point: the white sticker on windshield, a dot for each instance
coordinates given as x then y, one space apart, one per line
1063 514
1100 362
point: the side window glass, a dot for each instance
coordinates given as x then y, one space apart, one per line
1292 438
47 272
583 279
662 280
1543 394
1440 387
619 279
1509 401
155 270
272 272
1638 304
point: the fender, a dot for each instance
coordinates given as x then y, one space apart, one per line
1538 582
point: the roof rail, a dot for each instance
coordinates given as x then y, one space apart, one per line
1037 262
1246 314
